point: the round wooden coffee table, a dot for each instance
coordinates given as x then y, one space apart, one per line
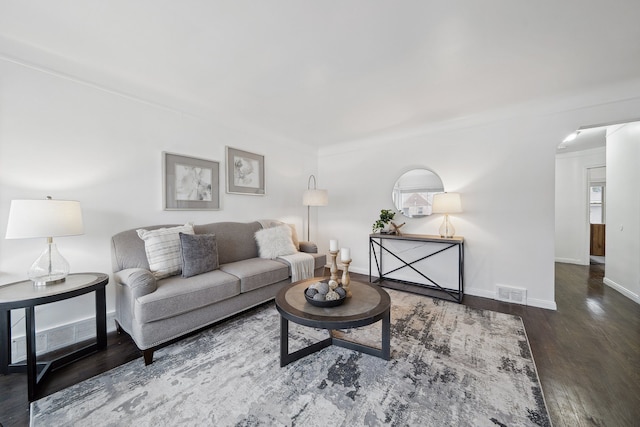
369 304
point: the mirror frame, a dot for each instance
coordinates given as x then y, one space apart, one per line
422 191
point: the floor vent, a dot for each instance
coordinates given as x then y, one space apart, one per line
511 294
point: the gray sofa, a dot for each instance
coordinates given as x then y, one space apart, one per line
157 311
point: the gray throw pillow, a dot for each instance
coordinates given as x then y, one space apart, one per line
199 253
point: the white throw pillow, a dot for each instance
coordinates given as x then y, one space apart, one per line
275 241
163 249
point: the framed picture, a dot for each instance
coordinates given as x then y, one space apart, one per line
190 183
245 172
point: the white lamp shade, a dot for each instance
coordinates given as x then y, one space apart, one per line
44 218
446 203
315 197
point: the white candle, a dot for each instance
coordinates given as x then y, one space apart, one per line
333 245
345 254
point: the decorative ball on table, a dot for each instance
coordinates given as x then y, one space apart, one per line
320 287
333 284
341 292
319 297
323 288
320 294
332 296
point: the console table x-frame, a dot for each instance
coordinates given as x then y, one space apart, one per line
432 288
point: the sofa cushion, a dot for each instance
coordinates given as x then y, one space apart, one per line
275 241
127 248
236 240
176 295
294 236
319 261
256 272
162 247
199 253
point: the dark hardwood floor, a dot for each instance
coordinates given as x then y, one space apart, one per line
587 354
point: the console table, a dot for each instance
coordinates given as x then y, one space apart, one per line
25 295
377 250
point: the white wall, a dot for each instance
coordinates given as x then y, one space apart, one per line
622 270
503 165
500 169
572 204
70 140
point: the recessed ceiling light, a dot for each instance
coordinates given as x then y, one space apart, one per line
571 137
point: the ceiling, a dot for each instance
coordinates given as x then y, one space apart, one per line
329 71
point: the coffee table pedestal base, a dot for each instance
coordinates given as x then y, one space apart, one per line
286 357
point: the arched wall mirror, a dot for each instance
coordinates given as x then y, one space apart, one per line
413 192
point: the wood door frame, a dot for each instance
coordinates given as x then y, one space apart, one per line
587 191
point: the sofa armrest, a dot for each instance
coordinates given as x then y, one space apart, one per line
308 247
139 280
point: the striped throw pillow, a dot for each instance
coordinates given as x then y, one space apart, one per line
163 249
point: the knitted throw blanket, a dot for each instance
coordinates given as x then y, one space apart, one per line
301 265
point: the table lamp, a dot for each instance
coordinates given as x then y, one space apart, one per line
446 203
313 197
45 218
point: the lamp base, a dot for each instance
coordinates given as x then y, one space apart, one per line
446 229
47 280
50 267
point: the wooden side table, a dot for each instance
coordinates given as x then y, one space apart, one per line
25 295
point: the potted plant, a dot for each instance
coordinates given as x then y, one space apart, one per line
382 225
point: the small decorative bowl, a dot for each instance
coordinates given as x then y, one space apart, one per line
325 303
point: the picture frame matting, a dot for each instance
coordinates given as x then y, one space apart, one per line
245 172
190 183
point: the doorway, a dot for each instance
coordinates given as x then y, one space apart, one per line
597 215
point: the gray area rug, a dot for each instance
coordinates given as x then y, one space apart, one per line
451 366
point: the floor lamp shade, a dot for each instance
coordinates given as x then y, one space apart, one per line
313 197
447 203
45 219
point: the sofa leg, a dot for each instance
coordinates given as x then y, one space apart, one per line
119 329
148 356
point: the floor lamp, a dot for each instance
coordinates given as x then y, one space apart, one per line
313 197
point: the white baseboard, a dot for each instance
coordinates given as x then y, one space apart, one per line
363 271
624 291
62 336
533 302
542 303
480 293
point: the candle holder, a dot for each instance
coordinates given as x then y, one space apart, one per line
345 277
334 266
